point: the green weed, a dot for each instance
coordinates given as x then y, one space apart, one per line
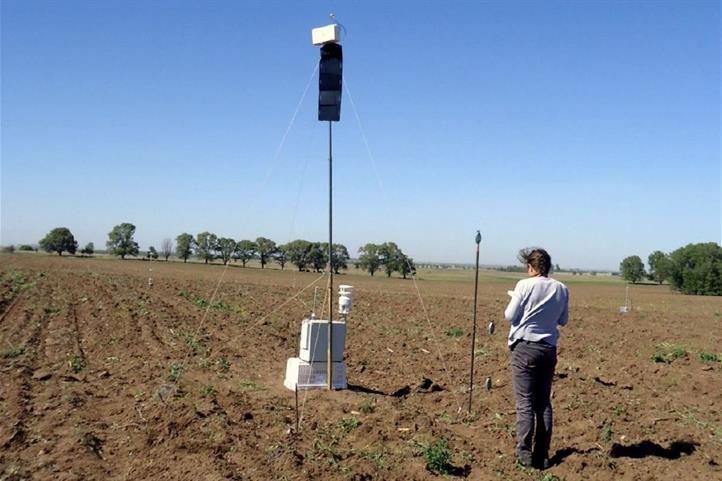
377 456
207 391
619 411
176 371
708 357
327 450
218 306
223 364
710 427
606 433
454 332
12 351
438 457
348 424
550 477
499 425
249 385
445 417
192 341
76 364
667 353
367 406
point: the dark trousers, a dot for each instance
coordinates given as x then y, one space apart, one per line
532 369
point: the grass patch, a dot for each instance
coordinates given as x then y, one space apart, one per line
499 425
714 429
619 411
349 424
481 352
176 371
367 407
438 457
606 433
377 456
12 351
218 306
709 357
667 352
249 385
193 342
208 390
550 477
223 364
327 450
454 332
76 364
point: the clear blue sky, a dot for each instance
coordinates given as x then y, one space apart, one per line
589 128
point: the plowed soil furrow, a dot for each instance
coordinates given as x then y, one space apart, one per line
96 392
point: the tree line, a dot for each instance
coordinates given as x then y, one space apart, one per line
206 246
305 255
692 269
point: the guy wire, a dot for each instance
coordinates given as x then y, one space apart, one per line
413 276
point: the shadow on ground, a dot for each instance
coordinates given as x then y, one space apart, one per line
565 452
648 448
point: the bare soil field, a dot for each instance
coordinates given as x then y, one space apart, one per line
105 377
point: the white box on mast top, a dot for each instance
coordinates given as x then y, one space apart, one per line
328 34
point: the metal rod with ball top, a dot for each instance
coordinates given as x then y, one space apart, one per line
473 331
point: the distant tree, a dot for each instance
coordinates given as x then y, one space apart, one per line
26 247
405 265
660 266
226 249
557 268
152 253
265 249
369 258
206 245
9 249
281 256
89 249
697 269
58 240
387 253
298 253
340 256
166 248
632 269
318 256
120 241
184 244
245 251
390 255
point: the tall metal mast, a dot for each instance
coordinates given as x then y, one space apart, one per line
329 351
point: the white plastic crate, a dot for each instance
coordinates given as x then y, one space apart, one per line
313 375
314 340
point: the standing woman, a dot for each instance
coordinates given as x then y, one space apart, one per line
538 305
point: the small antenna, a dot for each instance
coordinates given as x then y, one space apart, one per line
334 20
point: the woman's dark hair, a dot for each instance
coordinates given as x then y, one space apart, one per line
538 258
